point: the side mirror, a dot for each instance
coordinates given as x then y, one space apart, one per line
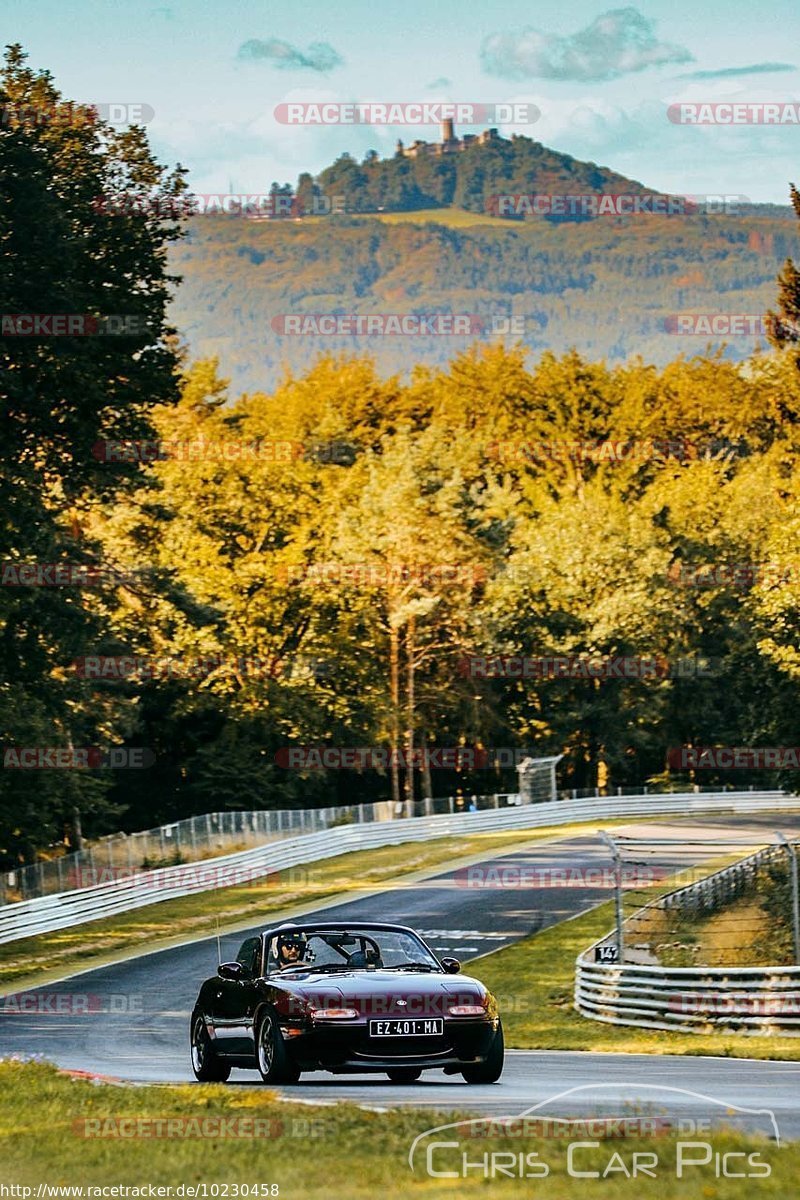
230 970
451 965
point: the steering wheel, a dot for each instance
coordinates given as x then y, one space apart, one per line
369 956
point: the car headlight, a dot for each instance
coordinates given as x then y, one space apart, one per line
467 1010
334 1014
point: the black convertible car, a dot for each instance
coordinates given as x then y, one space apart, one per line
346 999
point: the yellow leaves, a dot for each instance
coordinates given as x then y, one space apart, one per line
338 557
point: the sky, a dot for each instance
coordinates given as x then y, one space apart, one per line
602 78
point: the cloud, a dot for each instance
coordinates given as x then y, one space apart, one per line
320 56
731 72
441 82
616 43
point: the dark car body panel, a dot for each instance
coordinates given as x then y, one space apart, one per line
231 1010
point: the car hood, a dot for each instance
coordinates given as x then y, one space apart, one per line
388 993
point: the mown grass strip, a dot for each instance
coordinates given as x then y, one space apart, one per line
317 1152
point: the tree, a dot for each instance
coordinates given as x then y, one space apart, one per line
406 533
72 246
783 327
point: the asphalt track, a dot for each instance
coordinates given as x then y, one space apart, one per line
129 1020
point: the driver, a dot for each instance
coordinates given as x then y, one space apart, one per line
290 950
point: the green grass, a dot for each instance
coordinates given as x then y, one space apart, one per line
32 960
534 981
454 218
313 1152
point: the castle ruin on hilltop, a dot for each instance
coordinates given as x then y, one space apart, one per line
449 144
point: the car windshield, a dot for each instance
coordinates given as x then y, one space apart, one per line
332 950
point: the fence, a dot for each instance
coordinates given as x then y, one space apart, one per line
212 834
659 789
30 917
192 840
198 838
762 1000
201 838
721 887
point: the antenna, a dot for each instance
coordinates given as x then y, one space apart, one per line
219 945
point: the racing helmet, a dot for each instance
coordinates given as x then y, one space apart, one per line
292 938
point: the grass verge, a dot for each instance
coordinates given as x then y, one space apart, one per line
311 1152
454 218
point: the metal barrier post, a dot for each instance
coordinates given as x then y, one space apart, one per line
795 893
612 845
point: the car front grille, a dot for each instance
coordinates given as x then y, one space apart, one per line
408 1047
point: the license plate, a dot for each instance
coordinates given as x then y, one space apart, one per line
403 1027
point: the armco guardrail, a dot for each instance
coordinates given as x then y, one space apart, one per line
760 1000
690 999
192 840
48 913
217 833
717 889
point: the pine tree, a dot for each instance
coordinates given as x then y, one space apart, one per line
783 327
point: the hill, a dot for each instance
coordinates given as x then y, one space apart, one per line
426 232
460 174
610 287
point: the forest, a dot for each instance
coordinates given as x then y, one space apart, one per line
612 288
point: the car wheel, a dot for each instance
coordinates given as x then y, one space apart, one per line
273 1062
205 1064
490 1070
404 1074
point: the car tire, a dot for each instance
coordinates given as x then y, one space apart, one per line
274 1064
404 1074
490 1070
205 1064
